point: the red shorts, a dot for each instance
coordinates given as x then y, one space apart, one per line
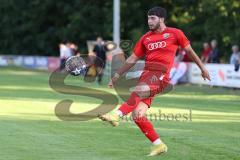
157 82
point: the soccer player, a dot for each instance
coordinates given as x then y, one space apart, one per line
158 47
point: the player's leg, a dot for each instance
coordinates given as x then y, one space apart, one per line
123 110
100 65
101 71
147 128
148 86
99 75
179 72
62 64
141 91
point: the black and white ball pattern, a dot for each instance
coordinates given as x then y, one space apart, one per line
75 65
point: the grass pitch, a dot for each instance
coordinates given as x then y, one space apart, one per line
29 129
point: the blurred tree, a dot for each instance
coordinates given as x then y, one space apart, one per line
201 20
37 26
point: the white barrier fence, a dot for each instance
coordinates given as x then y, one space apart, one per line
221 75
35 62
38 62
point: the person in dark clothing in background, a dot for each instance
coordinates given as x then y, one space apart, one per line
214 55
100 60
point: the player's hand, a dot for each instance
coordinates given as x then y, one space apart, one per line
205 75
113 80
110 84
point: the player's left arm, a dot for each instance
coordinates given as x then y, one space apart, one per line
191 53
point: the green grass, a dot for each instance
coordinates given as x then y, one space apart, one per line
29 129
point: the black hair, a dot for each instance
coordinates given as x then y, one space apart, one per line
158 11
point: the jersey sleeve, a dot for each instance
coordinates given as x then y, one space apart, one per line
139 48
182 39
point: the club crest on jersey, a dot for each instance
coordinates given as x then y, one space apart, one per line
165 35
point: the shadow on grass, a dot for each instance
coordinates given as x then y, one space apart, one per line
93 140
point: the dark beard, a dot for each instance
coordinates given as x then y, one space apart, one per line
155 28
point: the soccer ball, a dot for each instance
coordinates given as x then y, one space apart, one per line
75 65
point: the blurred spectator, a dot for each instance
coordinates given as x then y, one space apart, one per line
179 68
74 49
100 60
214 55
235 57
205 52
65 53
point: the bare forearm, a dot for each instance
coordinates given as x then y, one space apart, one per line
194 57
130 62
124 68
197 60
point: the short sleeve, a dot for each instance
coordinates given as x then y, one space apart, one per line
139 48
182 39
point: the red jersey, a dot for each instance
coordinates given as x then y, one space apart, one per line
159 49
206 52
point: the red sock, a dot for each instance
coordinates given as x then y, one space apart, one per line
130 104
147 128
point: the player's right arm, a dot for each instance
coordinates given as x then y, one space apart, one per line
131 61
138 52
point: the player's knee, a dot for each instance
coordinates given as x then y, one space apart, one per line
137 114
143 91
